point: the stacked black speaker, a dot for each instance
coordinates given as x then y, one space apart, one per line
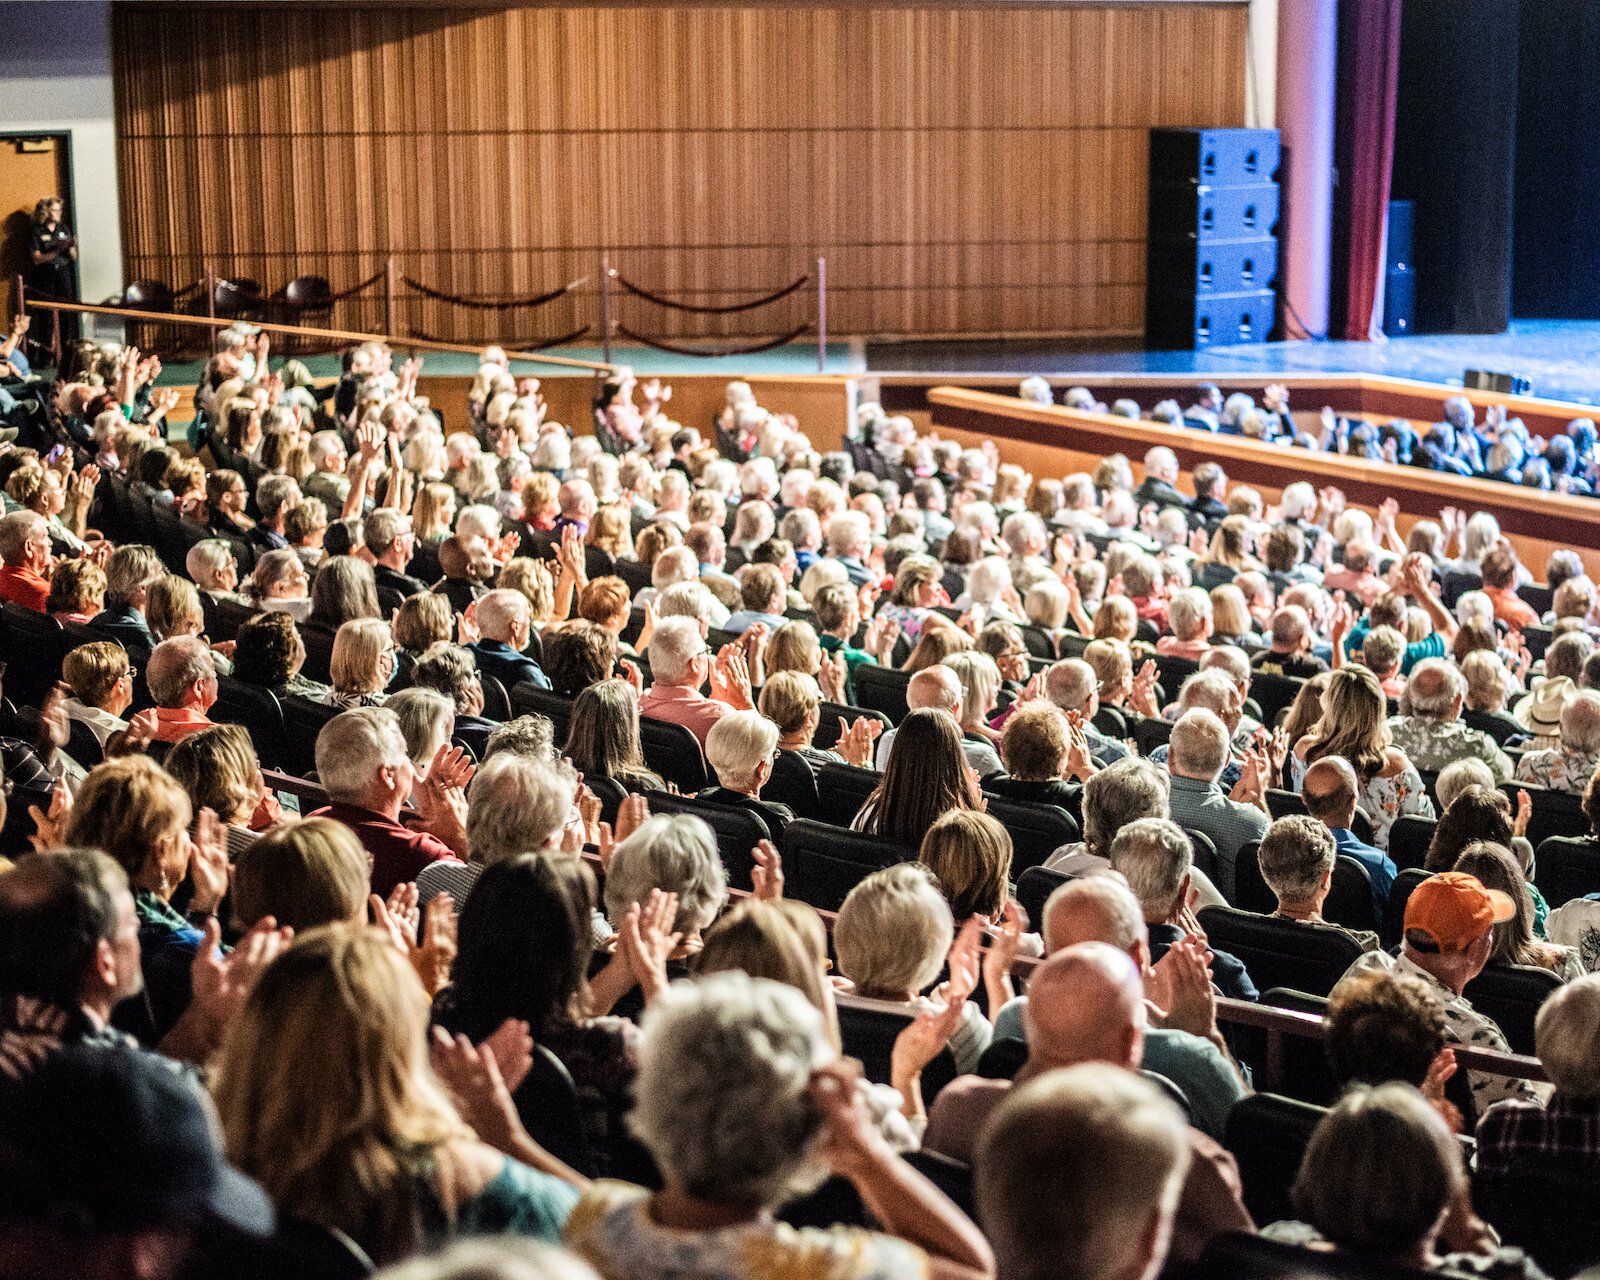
1399 281
1212 251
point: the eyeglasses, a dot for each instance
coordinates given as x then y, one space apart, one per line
132 673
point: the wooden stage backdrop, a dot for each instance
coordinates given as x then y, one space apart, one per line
967 170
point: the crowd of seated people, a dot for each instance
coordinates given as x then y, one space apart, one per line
616 838
1497 447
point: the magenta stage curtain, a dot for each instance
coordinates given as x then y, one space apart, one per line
1369 69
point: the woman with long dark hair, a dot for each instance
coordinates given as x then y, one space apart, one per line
927 776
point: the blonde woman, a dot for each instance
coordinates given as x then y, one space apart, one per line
219 769
132 809
1353 727
280 582
375 1149
980 691
364 664
303 873
433 513
892 938
531 578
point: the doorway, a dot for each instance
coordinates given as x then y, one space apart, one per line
32 166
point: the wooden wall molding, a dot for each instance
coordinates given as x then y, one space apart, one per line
965 169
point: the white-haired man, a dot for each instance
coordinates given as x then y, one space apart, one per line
680 663
939 688
1431 731
363 765
1231 819
505 629
1072 685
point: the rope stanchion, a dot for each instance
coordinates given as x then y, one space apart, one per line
698 309
752 349
526 344
491 304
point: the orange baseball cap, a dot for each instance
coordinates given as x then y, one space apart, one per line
1455 909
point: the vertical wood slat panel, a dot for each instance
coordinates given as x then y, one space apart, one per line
966 170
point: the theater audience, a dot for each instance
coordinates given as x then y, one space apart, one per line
382 1150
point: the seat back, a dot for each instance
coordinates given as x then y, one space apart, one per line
1349 900
1274 694
1267 1135
82 745
882 689
793 783
737 830
1036 830
259 712
869 1033
1532 1208
1034 887
821 863
1040 643
1455 584
1284 804
1555 813
528 699
1173 670
302 722
1251 892
1149 733
841 791
496 701
1394 914
1282 953
227 616
309 293
1511 994
674 753
36 637
1306 1074
1112 723
1236 1256
1409 839
1565 869
1205 851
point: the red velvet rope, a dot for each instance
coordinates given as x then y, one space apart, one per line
485 304
753 349
517 344
708 311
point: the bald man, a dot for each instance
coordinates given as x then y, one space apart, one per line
1181 1041
937 688
1330 792
1086 1004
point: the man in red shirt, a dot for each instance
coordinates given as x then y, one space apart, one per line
362 761
25 548
183 685
680 663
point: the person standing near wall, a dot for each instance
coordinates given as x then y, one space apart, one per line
53 251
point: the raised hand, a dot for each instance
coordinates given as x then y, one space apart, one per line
645 939
436 952
399 917
632 674
857 741
1180 988
220 983
472 1074
467 625
831 676
451 766
963 961
208 866
50 826
921 1041
1004 945
766 877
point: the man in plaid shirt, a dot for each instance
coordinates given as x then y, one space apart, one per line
1563 1135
